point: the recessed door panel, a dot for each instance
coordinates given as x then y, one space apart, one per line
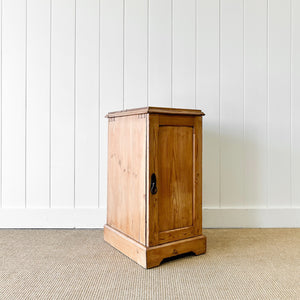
175 166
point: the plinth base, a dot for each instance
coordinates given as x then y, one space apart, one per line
149 257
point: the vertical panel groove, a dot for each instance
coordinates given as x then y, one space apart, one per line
172 49
159 53
112 74
86 106
232 103
37 110
220 146
99 107
184 53
1 24
135 63
124 3
255 99
268 105
62 103
148 16
279 115
244 112
196 43
50 101
75 59
295 104
207 93
26 94
13 104
291 105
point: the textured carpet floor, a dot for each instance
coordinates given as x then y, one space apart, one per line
78 264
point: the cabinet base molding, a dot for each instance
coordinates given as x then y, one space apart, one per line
149 257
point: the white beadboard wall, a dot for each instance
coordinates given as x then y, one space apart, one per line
65 63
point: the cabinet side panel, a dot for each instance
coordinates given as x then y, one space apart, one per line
126 175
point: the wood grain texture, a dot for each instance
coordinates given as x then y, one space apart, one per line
169 148
175 164
180 233
152 167
155 110
176 151
126 176
155 255
126 245
149 257
181 120
197 173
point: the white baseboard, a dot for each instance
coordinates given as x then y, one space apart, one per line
251 217
53 218
96 218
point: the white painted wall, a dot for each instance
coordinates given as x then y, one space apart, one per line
66 63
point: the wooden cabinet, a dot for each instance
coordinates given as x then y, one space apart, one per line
154 197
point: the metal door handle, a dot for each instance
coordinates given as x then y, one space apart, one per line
153 187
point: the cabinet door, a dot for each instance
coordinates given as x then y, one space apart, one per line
175 163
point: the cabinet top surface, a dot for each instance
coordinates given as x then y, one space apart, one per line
155 110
